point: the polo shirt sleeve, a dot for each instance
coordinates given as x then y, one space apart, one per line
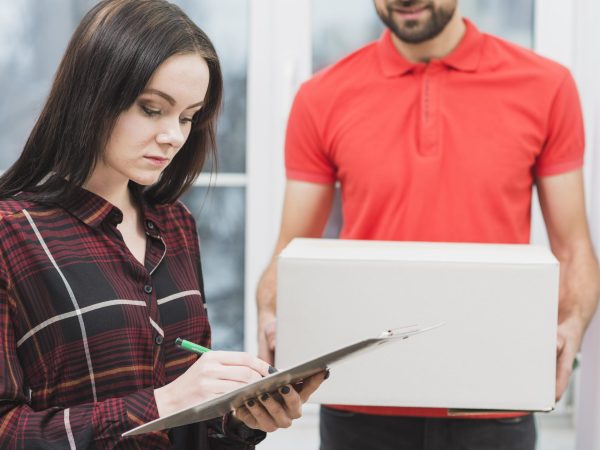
305 156
564 146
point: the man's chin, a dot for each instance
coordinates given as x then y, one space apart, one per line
412 36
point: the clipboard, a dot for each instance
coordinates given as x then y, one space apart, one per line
225 403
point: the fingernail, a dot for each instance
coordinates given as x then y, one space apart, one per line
250 403
265 397
327 373
272 370
285 390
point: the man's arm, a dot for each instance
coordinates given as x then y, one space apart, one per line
306 209
563 206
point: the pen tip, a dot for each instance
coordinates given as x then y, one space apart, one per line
178 341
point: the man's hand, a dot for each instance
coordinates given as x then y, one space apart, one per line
267 330
562 201
569 336
305 211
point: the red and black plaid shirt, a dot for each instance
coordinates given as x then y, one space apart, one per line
87 332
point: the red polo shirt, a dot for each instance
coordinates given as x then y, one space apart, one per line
445 151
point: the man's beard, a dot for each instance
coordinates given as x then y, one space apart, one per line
417 31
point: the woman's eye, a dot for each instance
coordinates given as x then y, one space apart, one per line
186 120
150 112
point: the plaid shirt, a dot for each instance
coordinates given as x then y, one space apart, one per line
87 332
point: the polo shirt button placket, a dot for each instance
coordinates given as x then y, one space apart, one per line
159 339
148 289
430 104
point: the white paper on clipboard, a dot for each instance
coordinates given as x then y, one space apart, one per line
221 405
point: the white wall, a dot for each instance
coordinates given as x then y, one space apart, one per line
586 58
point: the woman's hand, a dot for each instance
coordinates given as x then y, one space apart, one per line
278 409
215 373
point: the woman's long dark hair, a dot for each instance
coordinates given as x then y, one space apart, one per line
112 55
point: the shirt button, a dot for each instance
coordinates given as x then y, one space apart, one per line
150 225
158 339
148 289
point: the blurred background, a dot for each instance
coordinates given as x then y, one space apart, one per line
267 47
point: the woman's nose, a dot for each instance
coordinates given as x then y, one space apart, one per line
171 135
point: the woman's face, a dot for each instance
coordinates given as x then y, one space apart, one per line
148 135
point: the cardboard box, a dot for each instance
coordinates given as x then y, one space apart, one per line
497 349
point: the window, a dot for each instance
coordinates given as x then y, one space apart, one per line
33 37
220 210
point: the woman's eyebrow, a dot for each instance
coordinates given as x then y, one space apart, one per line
168 98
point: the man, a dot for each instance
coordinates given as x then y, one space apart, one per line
437 132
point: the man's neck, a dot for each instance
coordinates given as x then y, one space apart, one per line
436 48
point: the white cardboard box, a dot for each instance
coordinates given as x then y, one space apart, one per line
496 351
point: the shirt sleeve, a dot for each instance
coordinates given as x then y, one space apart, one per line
90 425
564 146
224 434
305 156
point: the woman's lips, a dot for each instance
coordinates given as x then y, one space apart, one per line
157 160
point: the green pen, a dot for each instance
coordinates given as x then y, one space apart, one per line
190 346
195 348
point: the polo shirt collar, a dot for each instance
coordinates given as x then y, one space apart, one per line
465 57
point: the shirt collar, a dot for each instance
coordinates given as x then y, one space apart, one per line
465 57
88 207
93 210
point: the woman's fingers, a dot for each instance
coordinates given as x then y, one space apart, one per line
292 401
311 384
242 374
277 410
263 419
238 359
245 416
220 387
213 374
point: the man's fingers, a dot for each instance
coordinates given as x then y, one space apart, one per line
564 369
560 343
264 352
266 340
270 332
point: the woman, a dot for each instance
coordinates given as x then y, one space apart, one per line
99 263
